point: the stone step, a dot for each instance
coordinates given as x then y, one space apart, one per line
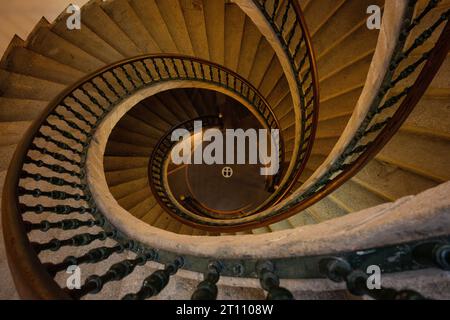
234 30
353 197
317 13
135 198
249 47
20 86
116 163
14 109
124 136
152 215
141 209
122 190
117 177
431 117
151 18
172 13
123 14
44 41
420 154
24 61
194 18
138 126
99 22
390 181
12 132
214 11
87 40
125 149
339 22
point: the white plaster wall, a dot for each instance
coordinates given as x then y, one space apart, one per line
20 16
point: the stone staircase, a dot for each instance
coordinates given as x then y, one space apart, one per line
35 70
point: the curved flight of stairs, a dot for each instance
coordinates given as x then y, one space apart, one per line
412 162
34 71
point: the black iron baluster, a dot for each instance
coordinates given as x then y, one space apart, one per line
59 144
302 63
55 155
55 195
177 71
83 105
93 256
76 241
119 81
156 67
94 284
53 167
339 270
52 180
101 93
70 123
202 69
156 282
207 289
183 63
436 254
59 210
430 6
78 115
271 283
194 70
68 224
64 133
166 68
138 74
147 70
285 18
275 9
110 86
128 76
291 35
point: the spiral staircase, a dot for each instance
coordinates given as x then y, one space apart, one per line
363 117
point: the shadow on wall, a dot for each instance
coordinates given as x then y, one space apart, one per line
20 16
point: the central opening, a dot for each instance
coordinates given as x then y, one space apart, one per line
221 175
